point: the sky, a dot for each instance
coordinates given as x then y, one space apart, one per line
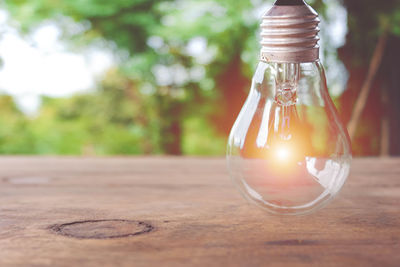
42 65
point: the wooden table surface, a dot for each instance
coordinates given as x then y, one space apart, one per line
171 211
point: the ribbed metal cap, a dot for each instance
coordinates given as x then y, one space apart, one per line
290 34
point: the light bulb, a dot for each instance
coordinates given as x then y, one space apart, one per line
287 151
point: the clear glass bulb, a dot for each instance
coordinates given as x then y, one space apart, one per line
287 151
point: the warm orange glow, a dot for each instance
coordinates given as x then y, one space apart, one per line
285 154
285 158
282 153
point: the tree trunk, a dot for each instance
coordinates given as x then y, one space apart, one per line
385 128
366 88
391 71
361 105
171 129
234 87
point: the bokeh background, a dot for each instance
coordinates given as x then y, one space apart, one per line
102 77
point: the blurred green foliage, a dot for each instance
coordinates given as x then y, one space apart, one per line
133 110
15 135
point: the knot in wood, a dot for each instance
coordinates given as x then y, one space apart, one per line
102 229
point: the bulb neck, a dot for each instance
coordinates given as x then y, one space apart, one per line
289 34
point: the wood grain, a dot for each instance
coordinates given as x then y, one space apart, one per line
197 217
